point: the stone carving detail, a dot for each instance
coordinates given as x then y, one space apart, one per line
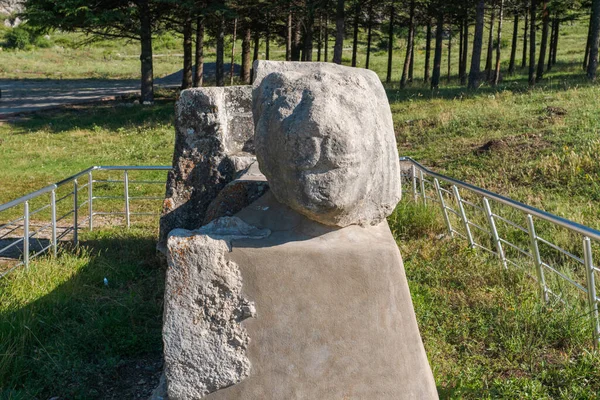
325 141
335 318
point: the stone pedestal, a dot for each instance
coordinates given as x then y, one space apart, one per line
332 313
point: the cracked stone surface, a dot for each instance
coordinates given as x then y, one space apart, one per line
325 141
205 343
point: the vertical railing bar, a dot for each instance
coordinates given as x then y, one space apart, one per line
75 212
26 234
591 287
495 236
421 178
414 183
127 213
53 216
443 204
535 251
90 199
463 215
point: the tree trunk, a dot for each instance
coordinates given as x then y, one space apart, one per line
513 50
490 49
309 25
427 74
544 42
409 45
199 73
588 46
256 46
355 34
593 59
556 36
475 73
465 52
411 68
147 89
296 48
525 38
461 44
232 64
288 38
551 47
326 50
532 12
369 35
246 61
268 38
256 52
437 59
339 33
449 55
219 73
188 50
498 47
388 77
320 38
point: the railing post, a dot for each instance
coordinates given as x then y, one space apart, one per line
53 212
90 200
127 214
422 187
495 236
26 234
443 204
591 287
414 182
75 213
463 215
535 251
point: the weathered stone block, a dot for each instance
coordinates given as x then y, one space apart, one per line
214 135
204 343
325 141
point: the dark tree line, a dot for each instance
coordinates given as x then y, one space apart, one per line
317 30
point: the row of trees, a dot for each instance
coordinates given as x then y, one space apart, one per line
307 25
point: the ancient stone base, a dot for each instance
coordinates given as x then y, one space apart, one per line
333 314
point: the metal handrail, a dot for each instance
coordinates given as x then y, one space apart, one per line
498 242
74 193
565 223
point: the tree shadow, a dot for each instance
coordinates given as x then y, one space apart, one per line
89 338
112 115
562 77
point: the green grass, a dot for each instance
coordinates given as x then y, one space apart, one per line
487 335
63 332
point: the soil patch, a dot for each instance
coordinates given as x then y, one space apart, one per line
514 145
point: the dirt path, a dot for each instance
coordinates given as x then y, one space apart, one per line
32 94
26 95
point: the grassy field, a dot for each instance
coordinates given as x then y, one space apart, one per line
64 333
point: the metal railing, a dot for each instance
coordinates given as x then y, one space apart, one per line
467 212
55 211
57 208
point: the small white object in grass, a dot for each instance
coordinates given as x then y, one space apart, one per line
105 281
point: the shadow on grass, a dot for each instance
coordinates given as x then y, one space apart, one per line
85 339
562 77
112 115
